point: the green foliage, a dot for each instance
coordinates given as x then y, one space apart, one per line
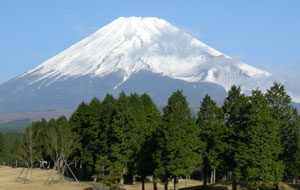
178 140
259 146
288 125
252 137
84 123
15 150
1 142
145 156
128 126
11 150
212 132
234 108
107 172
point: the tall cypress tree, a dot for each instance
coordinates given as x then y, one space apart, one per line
82 121
145 157
106 119
178 141
125 134
103 166
91 133
234 108
212 130
287 123
259 145
138 130
1 142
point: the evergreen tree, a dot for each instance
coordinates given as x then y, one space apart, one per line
106 119
126 134
287 123
91 133
292 161
178 141
139 130
1 142
16 150
103 167
145 159
234 108
259 145
212 130
80 123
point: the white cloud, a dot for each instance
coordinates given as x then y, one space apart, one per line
83 31
289 76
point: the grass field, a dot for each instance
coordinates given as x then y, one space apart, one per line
9 175
196 185
148 186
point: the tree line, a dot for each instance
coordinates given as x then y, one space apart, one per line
250 138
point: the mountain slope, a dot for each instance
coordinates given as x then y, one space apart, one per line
134 44
108 61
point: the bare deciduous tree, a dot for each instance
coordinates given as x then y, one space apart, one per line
28 152
61 143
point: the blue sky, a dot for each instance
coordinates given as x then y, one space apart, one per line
265 34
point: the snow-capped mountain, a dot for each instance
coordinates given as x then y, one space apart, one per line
135 55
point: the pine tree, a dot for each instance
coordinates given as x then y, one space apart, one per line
212 130
178 140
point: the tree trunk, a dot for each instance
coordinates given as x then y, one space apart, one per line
234 183
214 181
31 164
143 183
204 177
133 180
175 183
294 181
122 179
212 177
154 186
166 186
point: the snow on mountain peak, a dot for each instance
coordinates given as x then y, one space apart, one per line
136 43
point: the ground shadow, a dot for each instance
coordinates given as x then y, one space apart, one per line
293 186
209 187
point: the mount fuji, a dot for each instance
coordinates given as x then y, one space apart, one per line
134 55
